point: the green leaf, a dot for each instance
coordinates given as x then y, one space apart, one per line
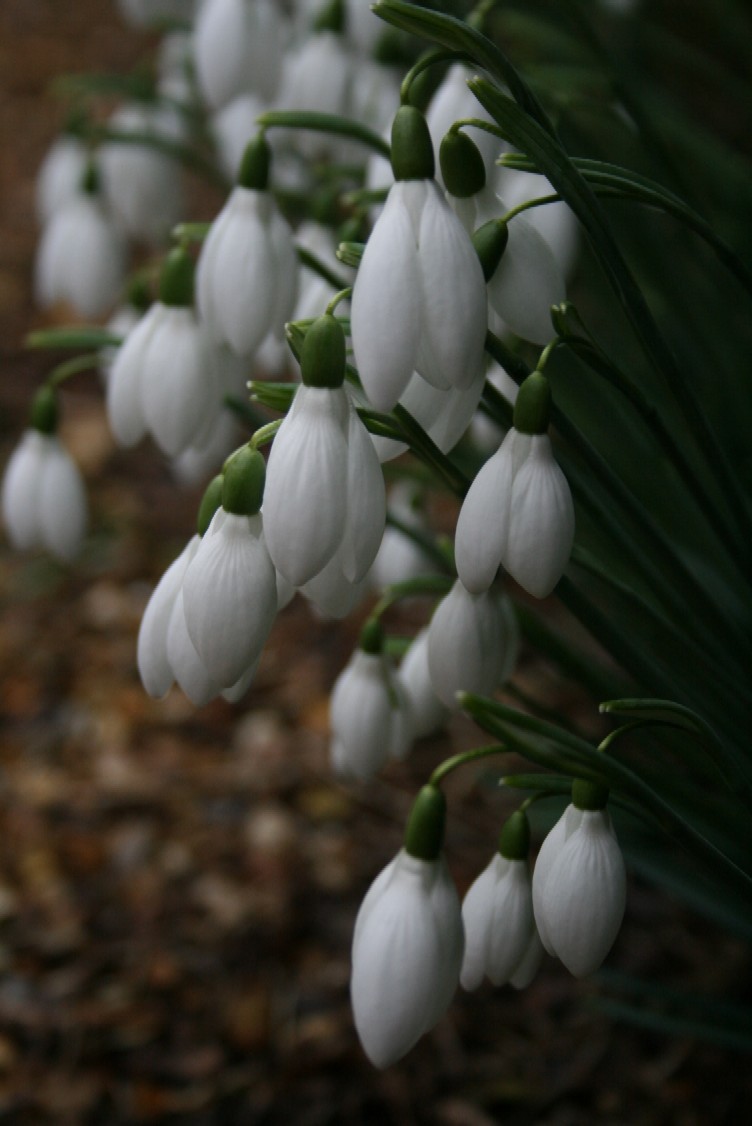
83 337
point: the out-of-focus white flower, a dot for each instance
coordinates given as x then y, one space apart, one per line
427 713
233 127
407 951
143 13
579 889
43 497
316 75
419 301
164 379
556 223
246 279
60 175
80 258
154 666
142 185
498 913
369 712
331 594
526 283
454 101
473 642
485 432
518 512
363 28
400 557
238 48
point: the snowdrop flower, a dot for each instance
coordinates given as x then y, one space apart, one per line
408 942
473 641
230 587
419 300
122 322
369 712
556 223
142 186
232 126
81 256
453 101
246 278
317 75
238 47
526 283
498 914
164 378
43 497
325 490
331 594
579 883
427 713
518 512
60 175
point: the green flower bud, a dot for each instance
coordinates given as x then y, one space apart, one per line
424 834
90 183
44 410
323 355
254 167
138 293
591 796
462 166
372 636
412 147
176 279
532 410
210 502
514 839
243 483
490 242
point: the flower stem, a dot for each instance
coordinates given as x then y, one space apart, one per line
445 768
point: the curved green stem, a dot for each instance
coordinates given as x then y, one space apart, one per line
265 434
410 588
343 295
307 258
72 367
323 123
456 761
432 59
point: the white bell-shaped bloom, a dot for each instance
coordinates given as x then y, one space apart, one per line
526 283
164 381
232 127
518 514
230 595
246 278
317 75
238 47
366 501
43 497
400 556
473 642
331 594
579 889
555 222
406 956
60 174
121 323
81 258
419 300
498 916
454 101
369 717
427 712
142 185
154 666
191 674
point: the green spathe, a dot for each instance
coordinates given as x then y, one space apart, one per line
44 410
490 242
323 355
176 279
254 167
590 796
514 839
210 502
462 165
243 484
532 410
372 637
412 148
424 835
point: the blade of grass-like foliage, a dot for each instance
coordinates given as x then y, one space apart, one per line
674 1024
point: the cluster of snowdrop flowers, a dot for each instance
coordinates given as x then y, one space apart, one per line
43 497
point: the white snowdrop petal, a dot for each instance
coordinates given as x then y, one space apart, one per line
385 316
541 521
151 651
124 410
178 386
427 713
457 409
453 292
585 895
511 921
477 907
450 929
529 963
331 594
188 669
526 283
549 851
483 524
466 648
366 502
63 511
360 713
396 964
230 595
20 494
305 495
